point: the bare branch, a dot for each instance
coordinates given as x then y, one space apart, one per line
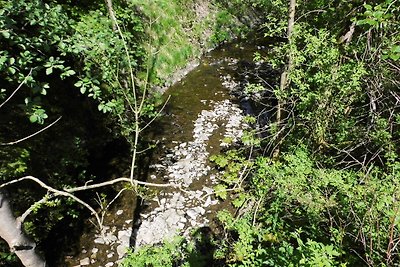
114 181
157 115
31 135
16 90
310 12
22 218
111 14
56 193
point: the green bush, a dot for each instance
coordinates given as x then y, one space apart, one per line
304 215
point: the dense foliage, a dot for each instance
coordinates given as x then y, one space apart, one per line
328 198
61 58
331 195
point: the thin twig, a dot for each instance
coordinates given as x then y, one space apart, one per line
157 115
31 135
16 90
309 12
256 210
114 181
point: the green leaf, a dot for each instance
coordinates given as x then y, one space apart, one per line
395 57
239 200
78 84
11 70
220 191
33 118
6 34
69 73
368 7
49 71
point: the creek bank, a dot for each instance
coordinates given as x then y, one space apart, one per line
186 30
199 115
175 212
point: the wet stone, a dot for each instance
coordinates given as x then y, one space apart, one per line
119 212
178 212
121 250
99 240
192 214
85 261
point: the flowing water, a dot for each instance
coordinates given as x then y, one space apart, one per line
201 111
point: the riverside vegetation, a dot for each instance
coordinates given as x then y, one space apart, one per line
317 184
76 77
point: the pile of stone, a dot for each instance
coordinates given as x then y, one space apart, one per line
183 210
180 211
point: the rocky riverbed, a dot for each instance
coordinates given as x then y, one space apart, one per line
176 211
203 120
180 211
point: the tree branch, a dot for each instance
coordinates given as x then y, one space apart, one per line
56 193
31 135
16 90
117 180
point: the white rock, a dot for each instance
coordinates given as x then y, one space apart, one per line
124 233
119 212
85 261
99 240
208 202
200 210
121 250
207 189
214 202
192 214
111 238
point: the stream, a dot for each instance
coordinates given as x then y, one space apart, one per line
203 112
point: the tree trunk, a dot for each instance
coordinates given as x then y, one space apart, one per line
111 13
11 231
284 77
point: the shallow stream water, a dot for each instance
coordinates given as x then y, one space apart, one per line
199 113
